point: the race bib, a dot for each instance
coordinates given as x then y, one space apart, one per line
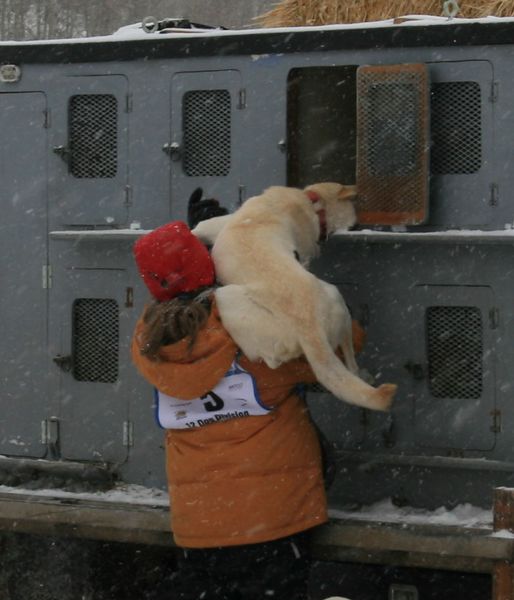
234 397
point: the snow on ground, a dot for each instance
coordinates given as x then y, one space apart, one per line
120 493
384 511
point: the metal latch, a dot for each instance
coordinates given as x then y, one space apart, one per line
416 370
172 150
63 152
64 362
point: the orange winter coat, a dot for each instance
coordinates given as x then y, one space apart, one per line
245 480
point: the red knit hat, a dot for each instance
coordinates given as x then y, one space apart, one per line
172 261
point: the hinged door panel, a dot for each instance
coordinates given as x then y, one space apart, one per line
90 329
90 152
462 133
24 395
204 147
453 370
392 144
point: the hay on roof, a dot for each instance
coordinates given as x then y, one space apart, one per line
495 8
294 13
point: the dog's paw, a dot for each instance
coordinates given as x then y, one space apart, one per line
385 394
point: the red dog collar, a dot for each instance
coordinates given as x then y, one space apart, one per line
322 215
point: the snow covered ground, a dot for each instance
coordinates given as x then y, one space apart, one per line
463 515
384 511
120 493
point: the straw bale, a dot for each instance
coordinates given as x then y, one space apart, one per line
294 13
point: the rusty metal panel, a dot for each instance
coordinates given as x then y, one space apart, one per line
393 140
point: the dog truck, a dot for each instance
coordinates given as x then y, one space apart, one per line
105 138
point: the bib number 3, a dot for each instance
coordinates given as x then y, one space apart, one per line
235 396
215 404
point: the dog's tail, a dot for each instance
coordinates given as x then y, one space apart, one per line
332 374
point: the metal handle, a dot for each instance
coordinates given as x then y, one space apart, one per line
173 151
63 152
416 370
64 362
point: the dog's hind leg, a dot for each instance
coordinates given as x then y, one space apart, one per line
346 345
337 321
348 352
338 379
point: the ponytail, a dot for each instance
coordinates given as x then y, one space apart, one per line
171 321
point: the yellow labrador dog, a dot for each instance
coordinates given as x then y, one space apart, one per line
274 308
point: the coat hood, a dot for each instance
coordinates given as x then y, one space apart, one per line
185 372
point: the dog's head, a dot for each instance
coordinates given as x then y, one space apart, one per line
336 200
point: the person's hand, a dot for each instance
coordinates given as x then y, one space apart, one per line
200 210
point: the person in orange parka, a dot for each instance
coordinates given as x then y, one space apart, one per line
243 459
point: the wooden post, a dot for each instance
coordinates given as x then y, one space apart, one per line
503 519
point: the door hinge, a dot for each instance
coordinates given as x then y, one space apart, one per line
129 297
242 99
46 277
494 91
241 194
46 119
495 194
128 195
494 318
128 103
50 435
128 434
496 425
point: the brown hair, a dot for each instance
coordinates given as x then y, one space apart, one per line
170 322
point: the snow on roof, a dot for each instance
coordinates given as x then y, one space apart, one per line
135 31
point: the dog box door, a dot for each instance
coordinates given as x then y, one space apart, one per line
392 144
463 96
453 374
90 152
204 152
24 395
89 325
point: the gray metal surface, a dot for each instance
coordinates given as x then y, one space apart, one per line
24 392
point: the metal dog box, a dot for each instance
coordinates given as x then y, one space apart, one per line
104 138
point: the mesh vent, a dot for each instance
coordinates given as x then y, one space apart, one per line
207 133
454 335
93 135
456 127
95 340
387 101
392 141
